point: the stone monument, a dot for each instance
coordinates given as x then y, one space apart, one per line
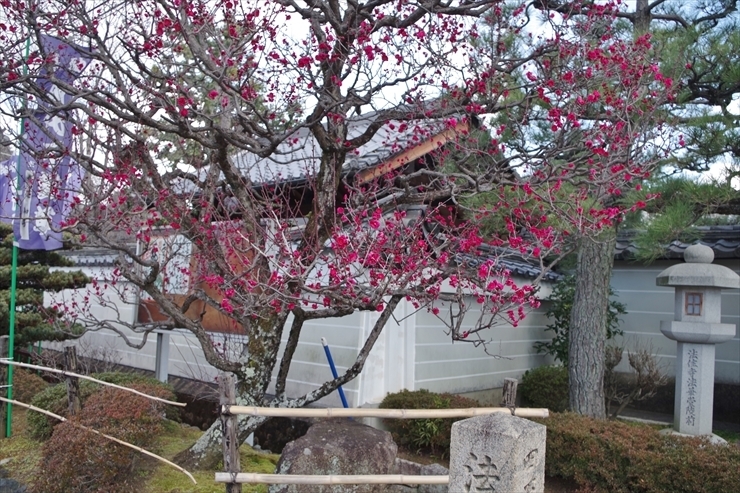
337 447
696 328
497 452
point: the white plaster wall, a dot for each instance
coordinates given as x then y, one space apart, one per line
412 352
390 367
118 303
185 359
459 367
310 369
648 304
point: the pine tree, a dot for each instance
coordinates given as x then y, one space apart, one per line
683 204
697 45
33 321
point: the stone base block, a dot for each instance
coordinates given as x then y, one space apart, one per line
498 452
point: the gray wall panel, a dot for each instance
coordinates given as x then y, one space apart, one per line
648 304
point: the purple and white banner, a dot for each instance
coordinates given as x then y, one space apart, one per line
38 199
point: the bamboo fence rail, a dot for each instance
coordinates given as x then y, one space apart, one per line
233 478
85 377
243 477
382 413
126 444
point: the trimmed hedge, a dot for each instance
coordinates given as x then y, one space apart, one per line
26 385
77 460
617 457
424 434
545 386
54 399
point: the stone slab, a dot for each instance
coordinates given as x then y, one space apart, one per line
697 332
409 468
433 470
694 401
498 452
706 275
713 439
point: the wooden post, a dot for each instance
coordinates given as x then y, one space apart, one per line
3 382
73 384
161 358
229 438
508 398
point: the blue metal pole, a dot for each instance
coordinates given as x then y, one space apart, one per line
334 371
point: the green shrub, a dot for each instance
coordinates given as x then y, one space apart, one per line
546 386
54 399
612 456
26 385
78 460
424 434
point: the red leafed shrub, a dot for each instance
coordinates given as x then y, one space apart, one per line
26 385
76 460
617 457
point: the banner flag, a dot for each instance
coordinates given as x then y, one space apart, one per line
38 199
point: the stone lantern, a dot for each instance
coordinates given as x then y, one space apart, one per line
697 329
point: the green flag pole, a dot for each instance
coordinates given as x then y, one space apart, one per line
14 274
11 338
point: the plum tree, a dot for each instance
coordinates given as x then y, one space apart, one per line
281 161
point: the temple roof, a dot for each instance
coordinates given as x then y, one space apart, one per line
724 240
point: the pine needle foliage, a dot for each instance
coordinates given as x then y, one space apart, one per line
33 321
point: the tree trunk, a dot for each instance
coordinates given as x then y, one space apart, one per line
206 452
642 17
588 325
253 379
251 385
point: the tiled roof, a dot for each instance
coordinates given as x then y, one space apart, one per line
299 156
724 240
511 261
91 257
